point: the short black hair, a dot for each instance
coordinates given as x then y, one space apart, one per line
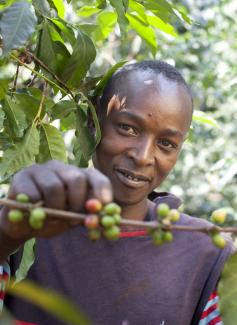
154 66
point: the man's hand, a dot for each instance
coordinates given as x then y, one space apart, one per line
59 186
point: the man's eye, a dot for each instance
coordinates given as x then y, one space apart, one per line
127 128
167 143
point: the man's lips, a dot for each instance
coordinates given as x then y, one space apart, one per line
130 175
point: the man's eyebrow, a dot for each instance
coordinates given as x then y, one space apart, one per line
137 118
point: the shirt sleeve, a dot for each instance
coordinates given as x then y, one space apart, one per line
211 313
4 277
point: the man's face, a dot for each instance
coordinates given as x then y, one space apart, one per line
142 134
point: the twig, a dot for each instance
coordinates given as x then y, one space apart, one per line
61 214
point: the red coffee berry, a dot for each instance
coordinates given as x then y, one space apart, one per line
92 222
93 205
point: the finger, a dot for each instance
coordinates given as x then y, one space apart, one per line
77 187
101 187
50 185
23 183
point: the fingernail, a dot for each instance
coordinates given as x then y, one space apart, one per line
106 195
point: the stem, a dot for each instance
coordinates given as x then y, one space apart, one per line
37 117
38 74
61 214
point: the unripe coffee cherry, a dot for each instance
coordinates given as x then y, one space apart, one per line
173 215
107 221
22 197
93 205
111 209
167 236
92 222
157 238
36 224
15 215
162 210
117 218
218 240
94 234
38 214
112 233
219 216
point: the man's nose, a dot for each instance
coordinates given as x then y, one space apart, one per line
142 152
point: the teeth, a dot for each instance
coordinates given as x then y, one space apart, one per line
132 178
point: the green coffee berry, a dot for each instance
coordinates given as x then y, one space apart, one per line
36 224
219 216
107 221
112 233
157 238
117 218
111 209
15 215
22 197
38 214
162 210
218 240
167 236
94 234
173 215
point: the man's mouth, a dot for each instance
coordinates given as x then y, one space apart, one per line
130 178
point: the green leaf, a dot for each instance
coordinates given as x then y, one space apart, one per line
146 32
2 117
139 9
84 142
66 31
227 291
164 27
87 11
59 5
21 155
27 260
62 109
106 21
50 301
52 145
53 53
202 117
17 24
15 118
121 7
79 63
42 7
100 87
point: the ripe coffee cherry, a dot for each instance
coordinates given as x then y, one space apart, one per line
22 197
107 221
157 238
93 205
173 215
94 234
219 216
38 214
111 209
162 210
112 233
15 215
167 236
91 222
218 240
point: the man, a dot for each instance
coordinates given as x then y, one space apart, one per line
145 114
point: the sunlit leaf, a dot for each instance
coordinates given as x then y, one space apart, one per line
146 32
20 155
121 7
227 291
52 145
59 5
17 24
139 9
87 11
79 63
202 117
50 301
27 260
164 27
